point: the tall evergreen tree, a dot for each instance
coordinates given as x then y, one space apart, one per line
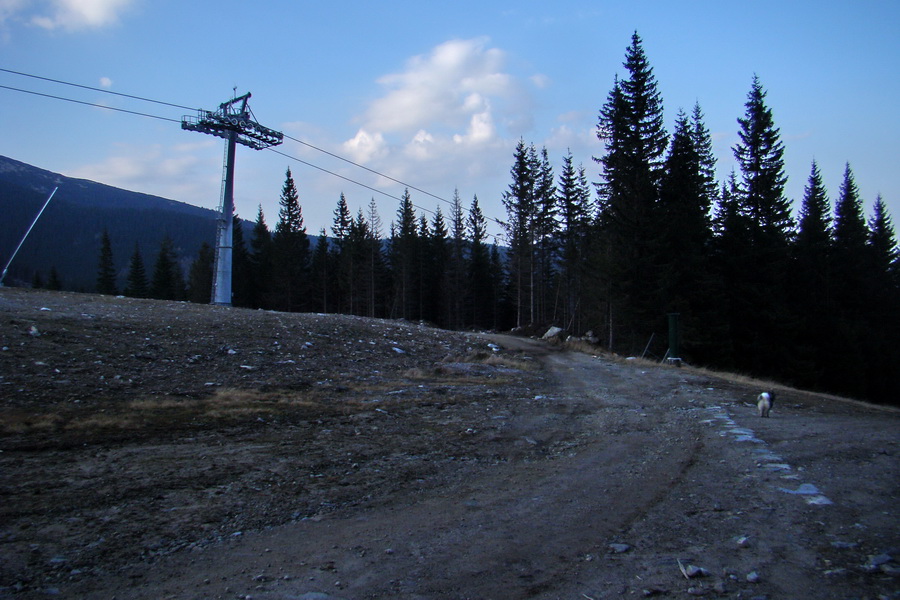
854 292
812 288
320 275
883 245
631 128
54 282
683 241
884 298
379 281
456 274
731 261
136 285
290 248
760 155
519 202
200 275
481 287
546 234
573 196
356 252
765 335
702 141
261 263
849 220
168 278
342 257
404 244
242 279
433 276
106 270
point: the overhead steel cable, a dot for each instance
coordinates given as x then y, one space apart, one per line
94 104
96 89
353 181
299 141
355 164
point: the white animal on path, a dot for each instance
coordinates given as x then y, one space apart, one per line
764 403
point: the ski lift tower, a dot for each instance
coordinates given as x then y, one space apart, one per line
233 122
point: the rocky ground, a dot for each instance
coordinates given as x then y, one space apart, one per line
169 450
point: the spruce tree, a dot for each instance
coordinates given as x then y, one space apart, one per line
884 319
342 257
356 250
456 274
481 288
812 289
546 233
764 335
883 245
849 220
573 197
375 257
631 128
320 275
731 261
242 279
519 202
683 274
760 155
200 275
168 279
136 283
261 263
54 282
290 251
702 141
106 270
403 249
433 277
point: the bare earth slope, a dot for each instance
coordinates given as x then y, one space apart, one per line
167 450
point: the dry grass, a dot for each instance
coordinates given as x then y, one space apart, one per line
499 360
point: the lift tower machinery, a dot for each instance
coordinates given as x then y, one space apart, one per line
237 127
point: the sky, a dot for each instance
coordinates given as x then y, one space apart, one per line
435 95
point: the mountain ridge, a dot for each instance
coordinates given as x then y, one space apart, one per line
68 235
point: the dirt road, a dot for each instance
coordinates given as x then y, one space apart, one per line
589 478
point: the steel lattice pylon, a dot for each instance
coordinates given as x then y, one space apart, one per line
236 126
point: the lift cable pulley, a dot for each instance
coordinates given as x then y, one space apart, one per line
234 122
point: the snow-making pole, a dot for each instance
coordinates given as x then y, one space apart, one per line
40 212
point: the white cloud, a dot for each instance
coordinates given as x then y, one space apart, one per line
445 117
73 15
9 8
441 90
540 81
365 146
185 172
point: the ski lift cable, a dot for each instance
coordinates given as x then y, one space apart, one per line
96 89
299 141
94 104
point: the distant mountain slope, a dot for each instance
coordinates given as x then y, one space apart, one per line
67 236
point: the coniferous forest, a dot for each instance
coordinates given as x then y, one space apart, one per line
808 297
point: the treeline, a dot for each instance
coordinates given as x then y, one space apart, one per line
810 302
443 271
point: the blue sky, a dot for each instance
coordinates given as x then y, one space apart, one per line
434 94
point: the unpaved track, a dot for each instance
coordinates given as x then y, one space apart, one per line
673 464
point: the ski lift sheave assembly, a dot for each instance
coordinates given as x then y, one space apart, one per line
236 126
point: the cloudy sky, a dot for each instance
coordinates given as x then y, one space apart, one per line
435 95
